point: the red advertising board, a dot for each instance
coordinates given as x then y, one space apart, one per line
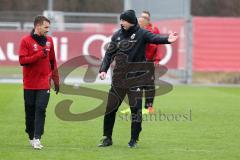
69 44
216 44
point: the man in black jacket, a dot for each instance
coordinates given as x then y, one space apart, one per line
127 46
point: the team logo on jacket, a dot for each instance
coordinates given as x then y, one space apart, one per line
48 44
133 36
35 48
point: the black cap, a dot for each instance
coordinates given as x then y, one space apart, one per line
129 16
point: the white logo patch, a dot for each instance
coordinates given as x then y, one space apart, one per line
35 48
133 36
48 44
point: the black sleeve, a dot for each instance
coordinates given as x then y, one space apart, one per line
107 60
155 38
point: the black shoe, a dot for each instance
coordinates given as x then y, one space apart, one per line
132 143
105 142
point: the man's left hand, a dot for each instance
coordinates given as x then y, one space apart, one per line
56 88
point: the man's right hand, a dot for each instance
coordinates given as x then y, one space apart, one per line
102 75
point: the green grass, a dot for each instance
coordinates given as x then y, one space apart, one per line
212 133
16 71
9 71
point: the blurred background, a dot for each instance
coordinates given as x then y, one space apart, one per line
207 52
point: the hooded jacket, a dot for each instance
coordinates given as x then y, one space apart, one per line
131 42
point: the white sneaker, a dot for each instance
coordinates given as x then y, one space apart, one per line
37 144
31 142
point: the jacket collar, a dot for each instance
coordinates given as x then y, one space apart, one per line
130 31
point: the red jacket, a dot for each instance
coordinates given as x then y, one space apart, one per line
152 50
38 68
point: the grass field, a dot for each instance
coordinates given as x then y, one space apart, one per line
212 131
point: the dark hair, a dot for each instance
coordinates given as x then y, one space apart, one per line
147 12
40 19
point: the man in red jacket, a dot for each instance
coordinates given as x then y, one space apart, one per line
37 56
153 54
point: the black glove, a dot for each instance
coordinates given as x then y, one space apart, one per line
56 88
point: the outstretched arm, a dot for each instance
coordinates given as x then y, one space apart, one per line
159 39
